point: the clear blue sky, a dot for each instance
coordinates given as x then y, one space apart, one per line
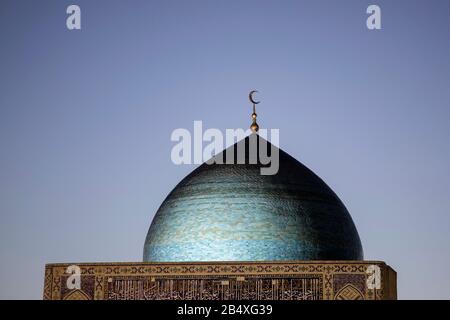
86 118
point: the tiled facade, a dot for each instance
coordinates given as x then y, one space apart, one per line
293 280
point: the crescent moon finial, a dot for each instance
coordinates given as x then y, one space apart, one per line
254 126
250 97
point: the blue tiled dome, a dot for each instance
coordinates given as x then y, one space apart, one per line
224 212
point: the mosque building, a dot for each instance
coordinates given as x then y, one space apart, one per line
228 232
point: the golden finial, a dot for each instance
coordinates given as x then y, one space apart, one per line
254 125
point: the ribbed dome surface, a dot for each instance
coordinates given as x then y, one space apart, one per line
230 212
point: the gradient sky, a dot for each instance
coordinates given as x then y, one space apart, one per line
86 118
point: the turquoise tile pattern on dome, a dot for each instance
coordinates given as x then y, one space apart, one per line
230 212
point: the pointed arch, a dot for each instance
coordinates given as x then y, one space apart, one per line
77 295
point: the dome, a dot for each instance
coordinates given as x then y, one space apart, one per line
230 212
